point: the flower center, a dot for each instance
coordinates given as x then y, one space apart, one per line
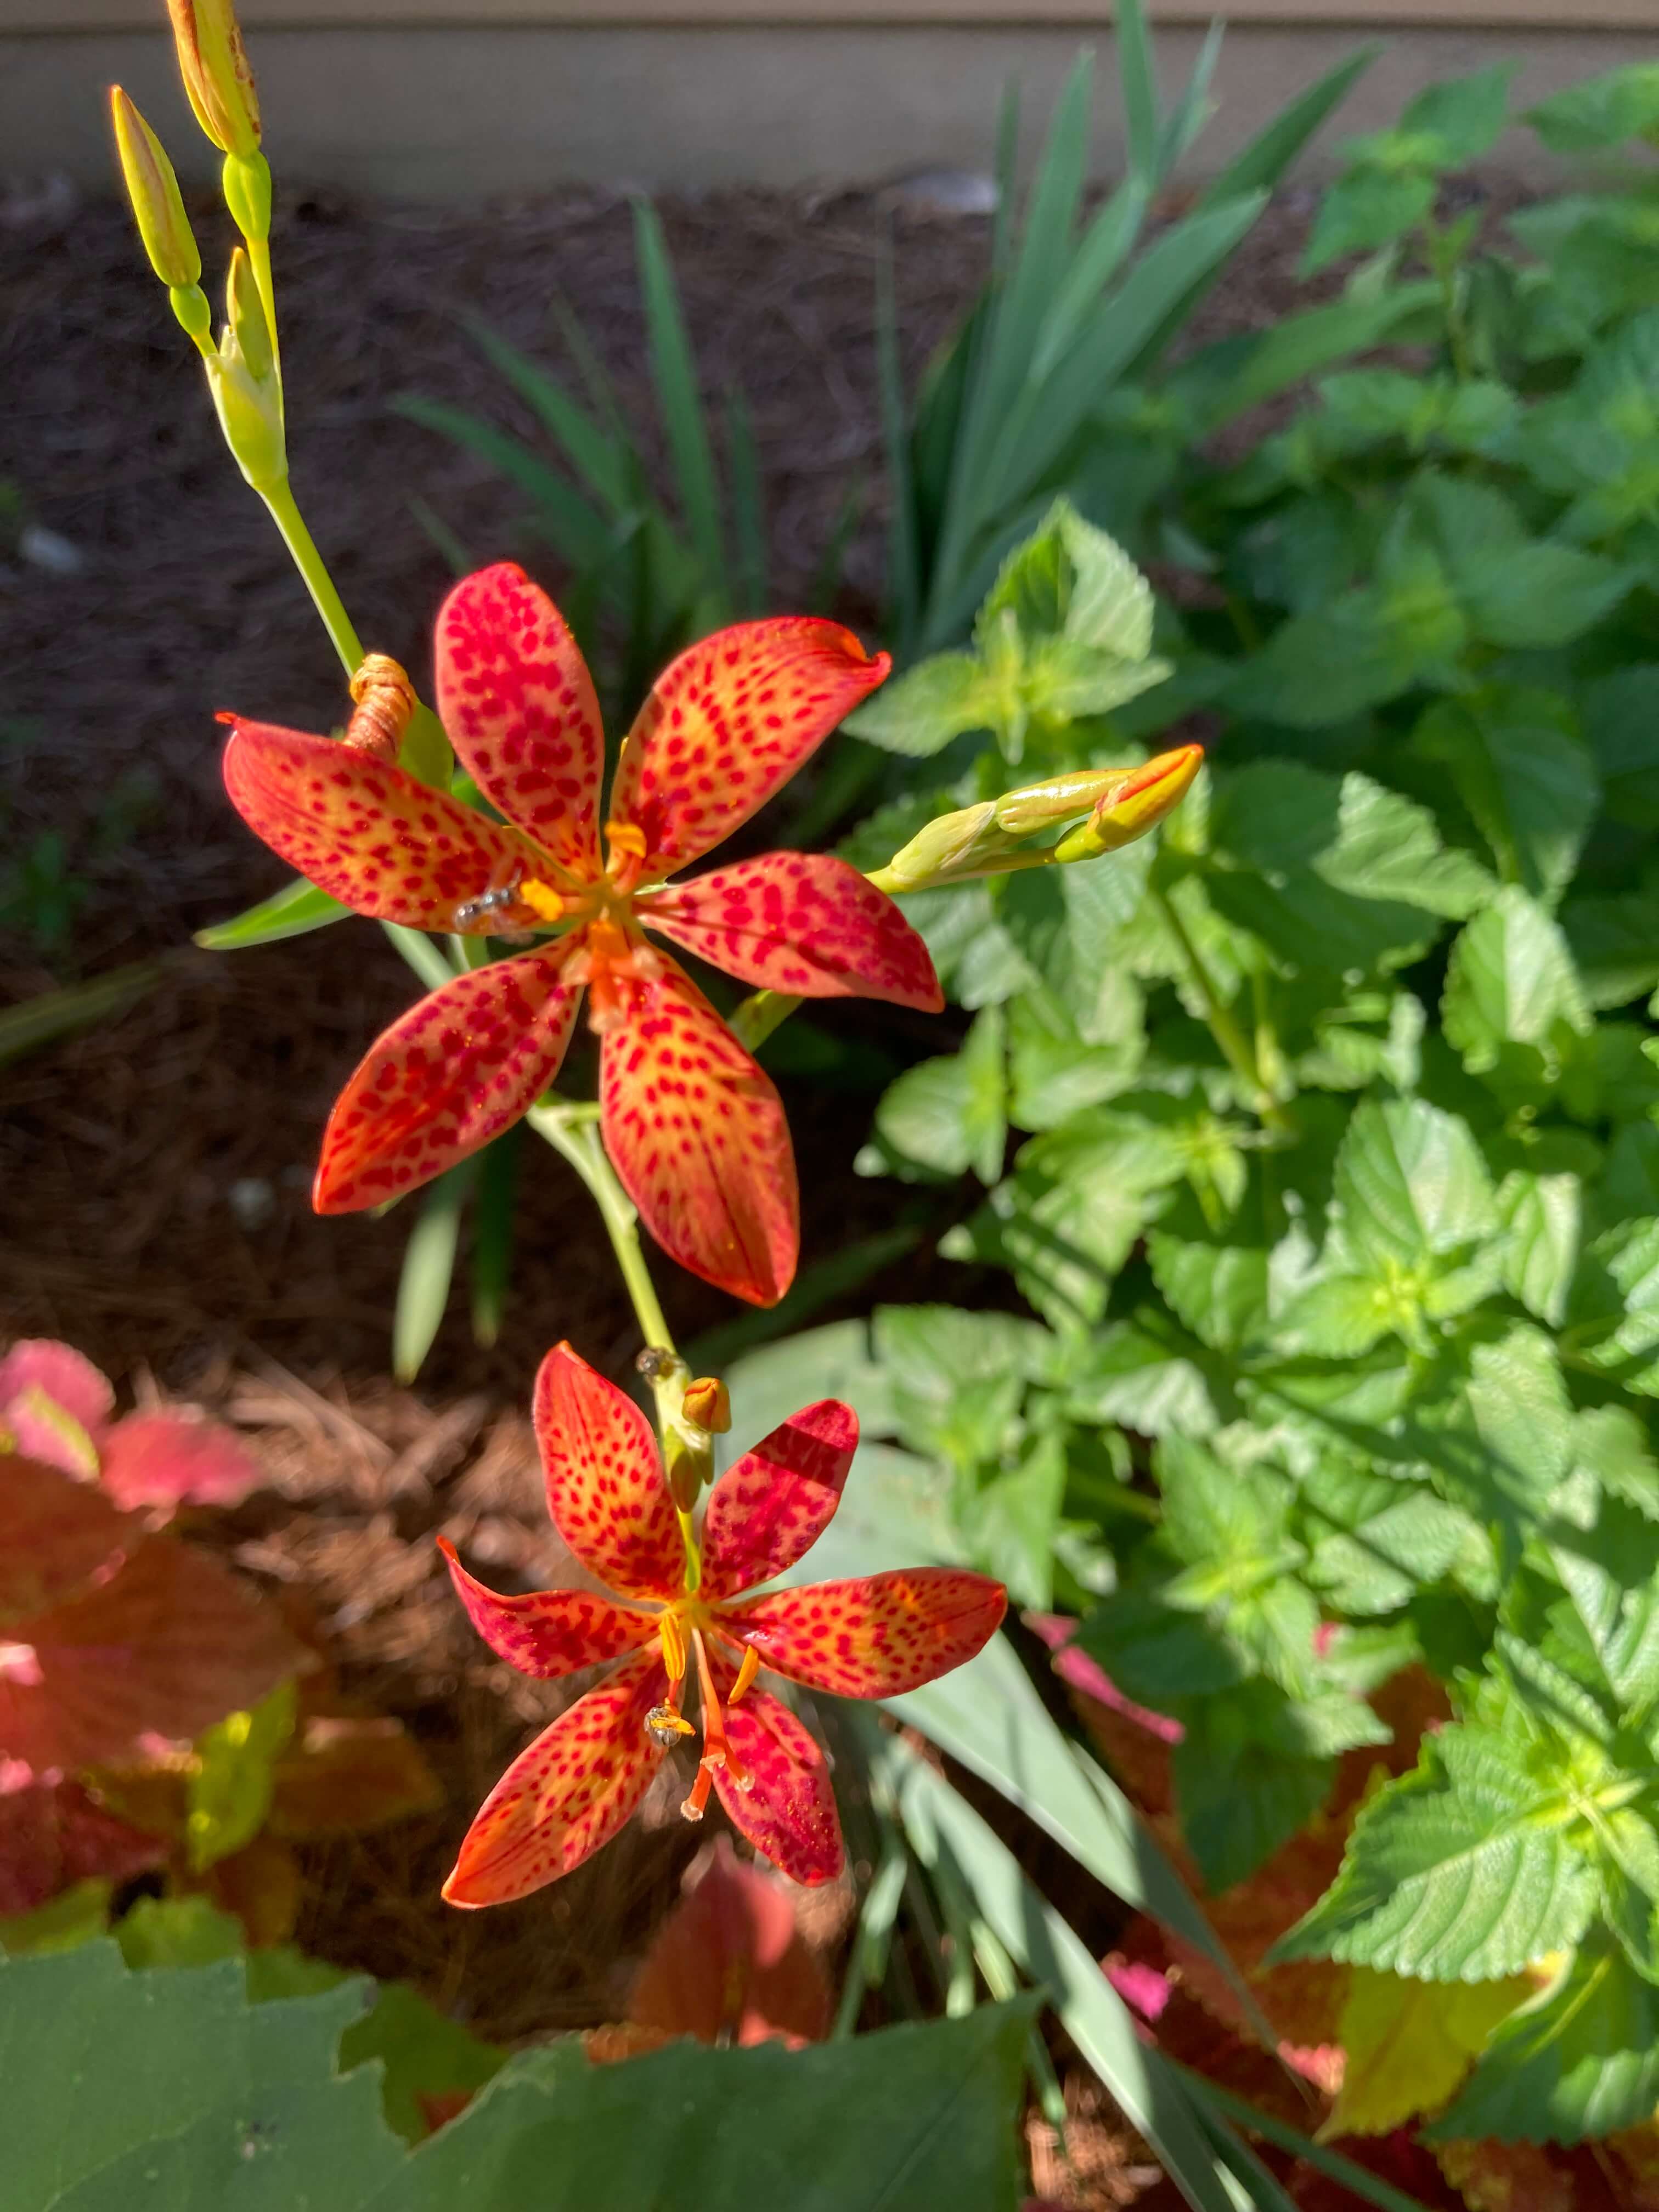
666 1723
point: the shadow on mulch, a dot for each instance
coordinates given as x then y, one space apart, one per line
120 1151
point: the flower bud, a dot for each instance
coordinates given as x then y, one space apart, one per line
247 389
707 1405
945 849
154 191
1142 798
218 81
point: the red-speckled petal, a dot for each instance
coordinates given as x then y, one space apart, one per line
771 1506
517 700
368 833
461 1065
567 1795
789 1813
729 721
547 1633
605 1482
875 1637
802 922
698 1136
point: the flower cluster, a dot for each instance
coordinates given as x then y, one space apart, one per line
666 1611
693 1126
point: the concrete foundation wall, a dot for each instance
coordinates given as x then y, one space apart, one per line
435 110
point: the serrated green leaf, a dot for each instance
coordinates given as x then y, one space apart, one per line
1511 983
1372 1542
920 714
1543 1215
1011 1521
1540 594
1581 2059
1451 1873
1145 1374
1218 1290
1517 761
1367 208
949 1115
1600 113
1613 1309
1054 1072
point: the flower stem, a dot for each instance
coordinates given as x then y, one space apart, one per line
1224 1026
309 562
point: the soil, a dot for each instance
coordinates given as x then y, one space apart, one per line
153 1172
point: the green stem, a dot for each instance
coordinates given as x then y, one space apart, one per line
318 581
258 255
1223 1025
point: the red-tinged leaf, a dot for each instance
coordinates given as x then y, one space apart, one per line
461 1065
605 1482
801 922
1135 1742
1517 2177
875 1637
568 1793
728 722
177 1457
170 1644
515 696
366 832
698 1135
771 1506
788 1814
53 1406
54 1835
56 1535
728 1965
547 1633
343 1778
1080 1672
261 1886
1635 2154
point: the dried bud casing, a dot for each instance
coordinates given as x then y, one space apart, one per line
153 189
383 704
707 1405
218 83
1146 795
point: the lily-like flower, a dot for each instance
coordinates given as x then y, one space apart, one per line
581 1779
693 1128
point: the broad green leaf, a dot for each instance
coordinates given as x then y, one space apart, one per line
949 1115
1613 1309
920 713
1581 2059
420 2051
294 911
229 1792
1055 1071
1453 122
1372 1541
1517 762
1111 601
205 2099
1143 1374
1365 208
1540 594
1336 661
1600 113
1543 1215
1410 1185
1610 1573
1012 1520
185 1931
1510 983
1615 944
1407 2045
1454 1873
1217 1290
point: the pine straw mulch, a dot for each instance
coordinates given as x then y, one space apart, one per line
120 1151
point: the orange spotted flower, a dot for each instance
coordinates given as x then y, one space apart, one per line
695 1129
582 1778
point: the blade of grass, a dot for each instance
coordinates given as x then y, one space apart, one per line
1192 110
1005 170
419 951
748 508
903 548
673 371
1369 2187
294 911
570 522
427 519
489 1262
1138 80
50 1015
1109 238
428 1268
590 451
1259 166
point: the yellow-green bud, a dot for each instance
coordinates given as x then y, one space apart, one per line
154 191
247 195
1141 802
247 389
947 845
218 81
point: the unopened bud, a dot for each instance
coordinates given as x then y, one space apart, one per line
1141 802
154 191
946 847
707 1405
247 389
687 1462
218 83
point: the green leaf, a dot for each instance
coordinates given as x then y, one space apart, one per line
1581 2059
1540 594
1542 1214
229 1792
421 2052
294 911
928 706
1612 1310
427 1270
1373 1542
183 1931
1012 1522
951 1115
49 1015
1610 1573
1241 1792
1455 121
1517 761
1363 209
674 373
1511 983
1454 1873
1615 944
1600 113
205 2099
1217 1290
1410 1185
1145 1374
1053 1072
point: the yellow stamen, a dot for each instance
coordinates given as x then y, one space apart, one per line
673 1636
542 899
746 1673
626 837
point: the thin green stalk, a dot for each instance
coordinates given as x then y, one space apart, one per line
309 562
1224 1026
258 255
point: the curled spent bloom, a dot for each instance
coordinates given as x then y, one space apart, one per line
581 1779
692 1125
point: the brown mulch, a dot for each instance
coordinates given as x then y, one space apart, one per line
126 1155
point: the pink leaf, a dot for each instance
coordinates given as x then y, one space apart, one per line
729 1964
53 1835
177 1457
